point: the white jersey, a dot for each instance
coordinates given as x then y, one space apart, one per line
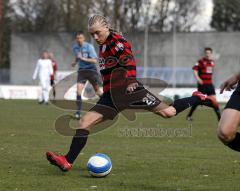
43 69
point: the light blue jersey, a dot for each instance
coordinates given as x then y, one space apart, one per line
87 51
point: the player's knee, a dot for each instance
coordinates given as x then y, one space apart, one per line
224 134
84 124
166 113
79 92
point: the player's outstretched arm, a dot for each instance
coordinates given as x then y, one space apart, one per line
195 72
36 71
229 83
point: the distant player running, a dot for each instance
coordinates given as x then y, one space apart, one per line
230 119
86 58
203 71
116 58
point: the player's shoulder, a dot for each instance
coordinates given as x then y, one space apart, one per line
201 60
88 45
119 38
75 45
120 41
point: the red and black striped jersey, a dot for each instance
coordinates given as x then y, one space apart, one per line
205 70
54 64
115 53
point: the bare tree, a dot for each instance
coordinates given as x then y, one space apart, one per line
187 12
160 14
126 15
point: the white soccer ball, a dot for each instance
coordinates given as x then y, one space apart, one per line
99 165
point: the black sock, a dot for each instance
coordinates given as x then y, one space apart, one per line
193 108
78 142
216 108
208 103
218 113
54 93
184 103
235 143
79 102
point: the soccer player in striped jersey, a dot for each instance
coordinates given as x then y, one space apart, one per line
203 71
230 119
115 59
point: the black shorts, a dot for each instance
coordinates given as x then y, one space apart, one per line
89 74
207 89
52 82
143 99
234 101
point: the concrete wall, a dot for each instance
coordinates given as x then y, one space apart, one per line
26 49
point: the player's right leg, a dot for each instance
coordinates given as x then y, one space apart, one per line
80 86
103 110
64 162
227 128
229 122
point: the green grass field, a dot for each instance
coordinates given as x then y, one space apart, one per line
196 161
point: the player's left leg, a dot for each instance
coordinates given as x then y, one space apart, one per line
227 128
202 89
95 80
97 89
46 88
41 98
215 106
80 86
189 116
53 88
179 105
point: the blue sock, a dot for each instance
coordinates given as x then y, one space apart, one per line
79 103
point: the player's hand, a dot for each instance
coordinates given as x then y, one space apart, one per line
80 57
131 87
200 81
228 85
74 64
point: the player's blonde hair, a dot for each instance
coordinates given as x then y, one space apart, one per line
102 20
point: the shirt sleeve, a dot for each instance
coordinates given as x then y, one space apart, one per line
75 50
55 66
50 68
92 52
35 73
196 66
